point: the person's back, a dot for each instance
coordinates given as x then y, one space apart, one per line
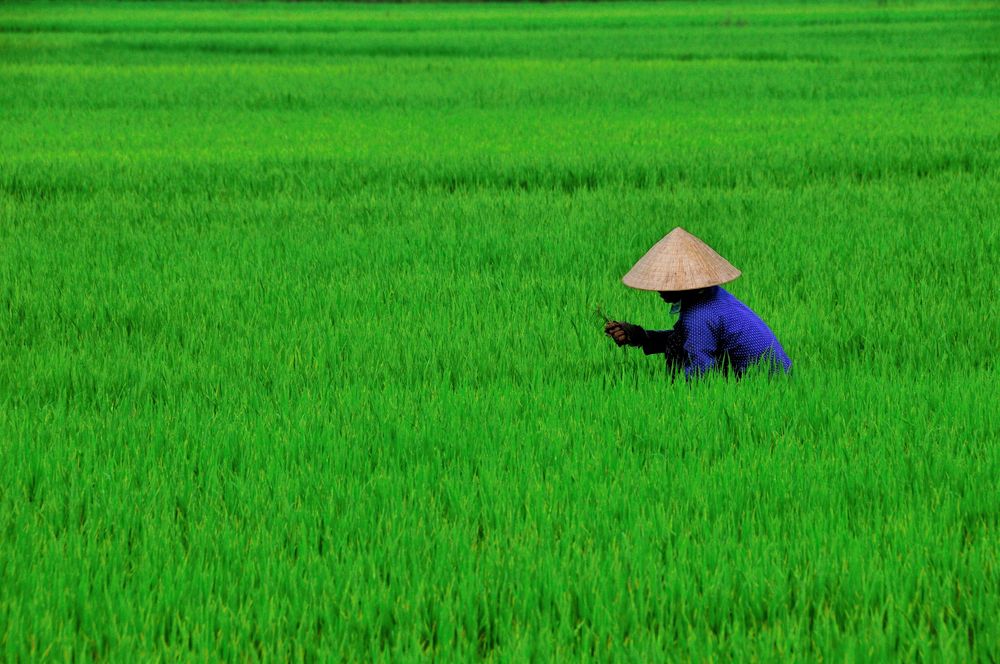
716 328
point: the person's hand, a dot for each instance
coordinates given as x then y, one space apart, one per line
625 334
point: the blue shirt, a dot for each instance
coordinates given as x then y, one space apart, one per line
715 330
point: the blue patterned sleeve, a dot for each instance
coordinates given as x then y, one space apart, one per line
702 345
656 342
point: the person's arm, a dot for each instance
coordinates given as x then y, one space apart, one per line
702 346
657 342
698 364
626 334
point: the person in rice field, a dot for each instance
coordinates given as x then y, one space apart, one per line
715 331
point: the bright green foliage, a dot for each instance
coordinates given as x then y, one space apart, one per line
298 354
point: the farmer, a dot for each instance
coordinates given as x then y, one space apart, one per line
715 330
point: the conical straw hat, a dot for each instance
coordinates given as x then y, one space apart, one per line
680 261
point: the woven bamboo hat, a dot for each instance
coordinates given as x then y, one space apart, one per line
680 261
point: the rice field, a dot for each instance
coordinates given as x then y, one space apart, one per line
299 360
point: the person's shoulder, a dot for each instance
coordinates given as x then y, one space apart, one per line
722 294
710 299
701 308
724 299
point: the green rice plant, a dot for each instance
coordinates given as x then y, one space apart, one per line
299 356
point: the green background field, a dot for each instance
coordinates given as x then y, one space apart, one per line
298 357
